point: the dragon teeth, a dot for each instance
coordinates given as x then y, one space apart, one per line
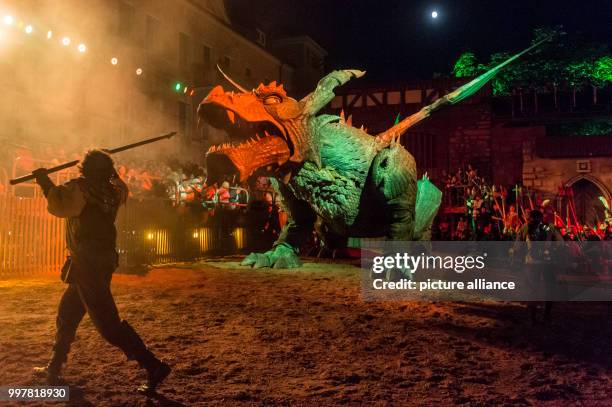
232 116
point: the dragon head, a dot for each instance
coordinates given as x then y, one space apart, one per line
264 122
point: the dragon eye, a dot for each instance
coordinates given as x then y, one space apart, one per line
272 100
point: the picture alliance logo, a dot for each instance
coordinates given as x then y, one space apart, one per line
405 261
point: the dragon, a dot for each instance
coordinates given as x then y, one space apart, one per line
331 176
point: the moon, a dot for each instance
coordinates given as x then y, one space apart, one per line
434 14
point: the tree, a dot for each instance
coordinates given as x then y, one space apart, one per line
562 61
466 66
601 74
603 69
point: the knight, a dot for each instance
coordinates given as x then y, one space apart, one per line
89 204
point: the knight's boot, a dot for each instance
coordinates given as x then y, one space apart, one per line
135 349
51 372
157 371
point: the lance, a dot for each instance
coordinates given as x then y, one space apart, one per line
60 167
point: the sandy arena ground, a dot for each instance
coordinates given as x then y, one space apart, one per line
245 337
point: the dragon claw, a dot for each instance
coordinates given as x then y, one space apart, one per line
256 260
280 257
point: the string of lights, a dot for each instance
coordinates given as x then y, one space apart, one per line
11 22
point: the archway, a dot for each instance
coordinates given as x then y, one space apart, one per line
587 190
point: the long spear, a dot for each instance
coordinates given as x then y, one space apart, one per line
452 98
60 167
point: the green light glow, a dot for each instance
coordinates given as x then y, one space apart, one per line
397 119
603 69
564 62
589 128
466 65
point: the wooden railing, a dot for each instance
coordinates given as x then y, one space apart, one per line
31 240
148 232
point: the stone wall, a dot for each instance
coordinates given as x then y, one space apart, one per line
470 142
546 175
507 152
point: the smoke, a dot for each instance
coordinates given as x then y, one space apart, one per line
58 102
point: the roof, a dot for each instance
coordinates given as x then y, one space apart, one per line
301 40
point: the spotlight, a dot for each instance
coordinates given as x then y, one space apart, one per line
114 61
185 89
49 34
139 71
178 86
82 48
9 20
29 29
434 14
66 41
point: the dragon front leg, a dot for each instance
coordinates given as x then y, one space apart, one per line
394 179
329 241
284 253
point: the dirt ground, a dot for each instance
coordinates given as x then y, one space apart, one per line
254 337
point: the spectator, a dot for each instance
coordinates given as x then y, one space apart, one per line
223 193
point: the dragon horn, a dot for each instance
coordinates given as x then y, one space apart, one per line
456 96
230 80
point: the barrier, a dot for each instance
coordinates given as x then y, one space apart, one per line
31 240
149 232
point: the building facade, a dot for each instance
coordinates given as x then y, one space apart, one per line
108 72
521 140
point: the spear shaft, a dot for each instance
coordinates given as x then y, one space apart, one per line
69 164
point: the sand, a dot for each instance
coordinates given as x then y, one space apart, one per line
266 337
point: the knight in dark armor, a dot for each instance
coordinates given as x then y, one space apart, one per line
537 259
90 204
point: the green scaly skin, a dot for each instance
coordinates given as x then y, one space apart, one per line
353 188
336 178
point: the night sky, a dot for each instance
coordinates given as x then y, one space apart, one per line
394 39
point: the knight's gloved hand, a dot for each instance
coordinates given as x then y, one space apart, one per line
42 179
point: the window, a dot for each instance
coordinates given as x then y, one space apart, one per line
126 19
184 49
206 56
151 32
182 118
313 59
261 37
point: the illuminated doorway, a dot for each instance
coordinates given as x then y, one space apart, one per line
589 208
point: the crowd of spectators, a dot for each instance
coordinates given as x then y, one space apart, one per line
485 211
490 212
